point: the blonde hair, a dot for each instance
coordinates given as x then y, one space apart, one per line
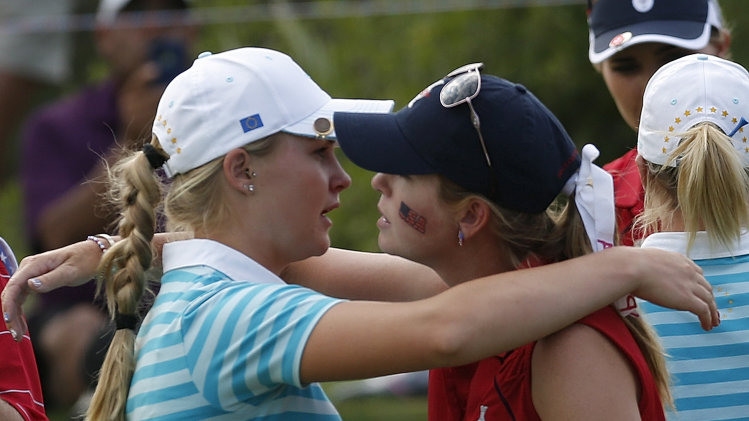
192 203
709 187
554 235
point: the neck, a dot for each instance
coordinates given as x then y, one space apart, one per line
475 259
675 224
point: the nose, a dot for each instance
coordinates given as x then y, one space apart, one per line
380 182
340 180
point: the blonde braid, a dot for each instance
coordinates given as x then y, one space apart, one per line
137 191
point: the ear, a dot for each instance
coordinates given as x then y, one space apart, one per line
724 45
236 168
474 217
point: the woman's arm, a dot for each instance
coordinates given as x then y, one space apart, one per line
77 263
494 314
357 275
71 265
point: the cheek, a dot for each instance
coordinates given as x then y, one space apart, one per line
412 218
627 94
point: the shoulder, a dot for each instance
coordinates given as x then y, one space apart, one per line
577 342
578 371
94 103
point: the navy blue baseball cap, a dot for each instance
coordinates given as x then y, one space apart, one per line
532 156
617 24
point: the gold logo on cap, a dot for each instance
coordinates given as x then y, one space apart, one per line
323 127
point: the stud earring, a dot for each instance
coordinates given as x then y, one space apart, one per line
461 237
250 187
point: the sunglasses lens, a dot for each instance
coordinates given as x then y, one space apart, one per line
458 89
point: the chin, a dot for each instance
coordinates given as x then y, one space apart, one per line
386 248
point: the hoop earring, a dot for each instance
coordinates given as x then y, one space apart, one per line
461 237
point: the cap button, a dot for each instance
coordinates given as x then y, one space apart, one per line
702 57
205 54
520 88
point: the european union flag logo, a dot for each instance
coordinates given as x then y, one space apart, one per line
251 123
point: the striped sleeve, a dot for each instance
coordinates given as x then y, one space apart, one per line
250 340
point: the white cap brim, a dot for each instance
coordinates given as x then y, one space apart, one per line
305 127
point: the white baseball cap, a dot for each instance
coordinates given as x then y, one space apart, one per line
230 99
693 89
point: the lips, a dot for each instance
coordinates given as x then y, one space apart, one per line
330 208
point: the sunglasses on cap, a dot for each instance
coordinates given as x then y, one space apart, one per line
462 88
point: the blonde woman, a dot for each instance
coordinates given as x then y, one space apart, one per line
693 159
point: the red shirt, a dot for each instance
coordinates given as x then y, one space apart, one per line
499 388
19 378
629 195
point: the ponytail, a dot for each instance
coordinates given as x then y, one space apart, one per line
709 186
136 190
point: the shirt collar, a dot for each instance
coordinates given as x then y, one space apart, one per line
203 252
702 249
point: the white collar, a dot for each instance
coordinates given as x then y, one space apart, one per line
702 249
203 252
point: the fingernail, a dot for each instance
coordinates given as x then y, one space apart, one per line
14 334
36 283
6 317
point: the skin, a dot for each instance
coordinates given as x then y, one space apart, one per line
438 246
8 412
311 178
627 72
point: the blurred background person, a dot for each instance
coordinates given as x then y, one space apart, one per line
629 41
31 58
145 43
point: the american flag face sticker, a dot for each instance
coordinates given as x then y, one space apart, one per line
413 219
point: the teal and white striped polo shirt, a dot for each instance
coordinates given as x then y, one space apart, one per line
224 341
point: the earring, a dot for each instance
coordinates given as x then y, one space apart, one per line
250 174
461 237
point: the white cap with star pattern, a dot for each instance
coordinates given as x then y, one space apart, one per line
687 91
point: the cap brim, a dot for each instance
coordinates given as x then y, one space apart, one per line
376 142
688 35
305 127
